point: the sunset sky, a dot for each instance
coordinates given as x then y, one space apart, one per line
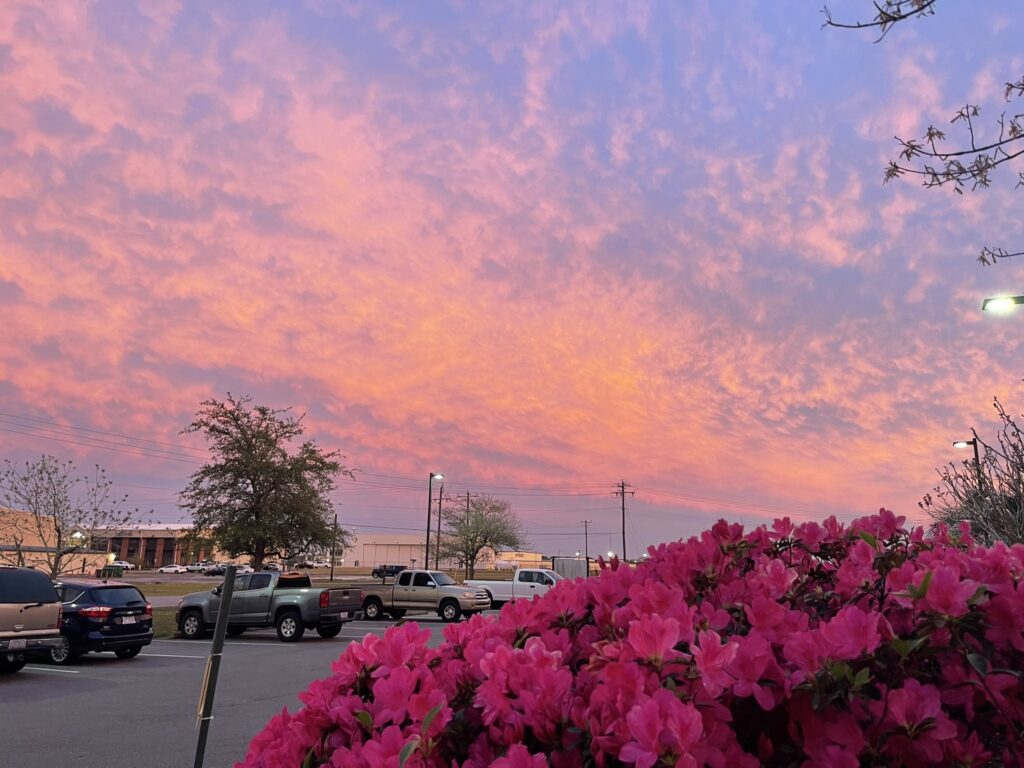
540 247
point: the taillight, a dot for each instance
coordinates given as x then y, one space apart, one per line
325 599
95 611
148 613
60 615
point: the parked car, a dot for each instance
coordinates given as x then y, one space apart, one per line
273 567
320 564
198 567
386 571
30 614
121 564
286 601
172 569
244 569
526 584
424 591
102 616
214 569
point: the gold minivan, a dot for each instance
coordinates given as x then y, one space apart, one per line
30 614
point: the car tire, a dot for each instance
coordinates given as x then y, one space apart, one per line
10 666
63 655
289 627
330 631
191 625
128 653
235 631
373 609
396 613
449 611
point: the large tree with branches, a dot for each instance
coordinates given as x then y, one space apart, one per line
990 493
49 505
482 523
935 159
255 497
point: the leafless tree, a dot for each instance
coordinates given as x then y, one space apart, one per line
932 158
990 495
49 506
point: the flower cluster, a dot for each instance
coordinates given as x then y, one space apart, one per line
792 645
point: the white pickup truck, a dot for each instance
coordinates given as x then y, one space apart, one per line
526 584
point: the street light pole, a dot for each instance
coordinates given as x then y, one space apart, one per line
977 459
437 549
334 543
430 502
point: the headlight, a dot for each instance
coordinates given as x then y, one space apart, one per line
469 594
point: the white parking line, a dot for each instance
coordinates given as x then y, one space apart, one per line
49 669
172 656
228 644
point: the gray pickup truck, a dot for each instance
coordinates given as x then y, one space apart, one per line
286 601
423 591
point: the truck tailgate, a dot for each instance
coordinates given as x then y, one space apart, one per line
345 599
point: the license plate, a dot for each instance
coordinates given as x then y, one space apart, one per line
127 619
346 615
17 645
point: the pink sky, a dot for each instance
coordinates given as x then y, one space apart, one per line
540 248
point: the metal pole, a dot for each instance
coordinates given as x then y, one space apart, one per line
437 549
586 545
624 521
334 543
977 462
213 664
430 501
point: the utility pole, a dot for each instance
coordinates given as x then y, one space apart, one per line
334 543
437 550
623 485
586 544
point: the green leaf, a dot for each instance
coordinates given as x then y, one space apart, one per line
429 718
310 757
862 678
365 719
979 662
406 753
869 538
922 590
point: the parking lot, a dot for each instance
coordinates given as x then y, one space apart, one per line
140 713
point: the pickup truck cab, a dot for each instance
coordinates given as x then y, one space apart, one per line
423 591
526 584
286 601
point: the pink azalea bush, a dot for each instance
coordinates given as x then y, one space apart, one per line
811 645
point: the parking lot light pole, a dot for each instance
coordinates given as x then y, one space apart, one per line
334 543
977 460
430 504
213 665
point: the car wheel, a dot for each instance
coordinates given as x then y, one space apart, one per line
330 631
449 611
191 625
373 609
396 613
235 631
289 627
10 664
128 653
64 653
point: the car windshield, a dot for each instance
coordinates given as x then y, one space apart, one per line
442 579
117 596
554 576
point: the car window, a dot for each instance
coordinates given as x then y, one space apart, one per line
241 582
69 594
526 576
116 595
23 585
403 579
421 580
442 579
293 582
259 581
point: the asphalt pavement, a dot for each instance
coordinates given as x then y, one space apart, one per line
140 713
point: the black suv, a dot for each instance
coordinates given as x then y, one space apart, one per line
386 571
102 616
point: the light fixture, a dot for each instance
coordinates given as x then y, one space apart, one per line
1001 304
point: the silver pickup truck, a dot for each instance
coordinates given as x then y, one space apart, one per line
432 591
286 601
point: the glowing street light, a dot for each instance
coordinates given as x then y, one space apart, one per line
611 554
430 499
1001 304
977 460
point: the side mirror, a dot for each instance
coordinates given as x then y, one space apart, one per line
216 591
431 584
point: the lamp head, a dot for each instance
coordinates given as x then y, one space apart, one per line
436 476
963 443
1001 304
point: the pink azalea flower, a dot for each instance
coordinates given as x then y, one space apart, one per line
948 594
653 638
712 658
519 756
851 633
662 727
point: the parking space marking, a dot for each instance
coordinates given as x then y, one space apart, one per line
227 644
172 656
49 669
